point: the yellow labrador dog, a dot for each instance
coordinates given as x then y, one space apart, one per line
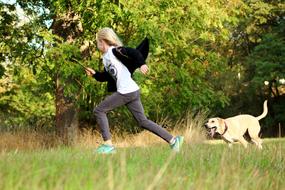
232 129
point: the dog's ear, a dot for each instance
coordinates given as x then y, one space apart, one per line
220 126
221 121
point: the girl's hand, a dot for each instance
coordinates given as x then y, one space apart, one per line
89 71
144 69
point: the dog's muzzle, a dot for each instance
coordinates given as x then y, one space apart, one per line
211 130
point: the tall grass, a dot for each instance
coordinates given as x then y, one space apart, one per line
190 127
27 140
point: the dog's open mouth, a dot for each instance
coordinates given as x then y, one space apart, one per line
212 131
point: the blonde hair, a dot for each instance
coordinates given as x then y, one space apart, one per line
109 36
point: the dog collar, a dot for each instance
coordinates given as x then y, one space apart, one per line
226 128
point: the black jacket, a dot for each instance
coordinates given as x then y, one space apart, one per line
132 58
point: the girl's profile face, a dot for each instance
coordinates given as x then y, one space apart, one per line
101 45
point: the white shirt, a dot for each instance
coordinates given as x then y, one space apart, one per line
125 83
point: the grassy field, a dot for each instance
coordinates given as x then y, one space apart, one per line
197 166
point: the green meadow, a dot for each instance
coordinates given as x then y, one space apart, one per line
197 166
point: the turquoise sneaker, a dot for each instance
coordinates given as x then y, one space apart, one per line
177 144
105 149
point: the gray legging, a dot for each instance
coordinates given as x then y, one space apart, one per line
133 102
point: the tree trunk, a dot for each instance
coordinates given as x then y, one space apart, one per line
68 27
66 116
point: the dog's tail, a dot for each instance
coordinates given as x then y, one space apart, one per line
265 111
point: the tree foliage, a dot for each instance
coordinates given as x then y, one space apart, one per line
204 55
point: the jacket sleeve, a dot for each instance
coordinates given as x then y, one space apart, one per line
135 55
130 57
102 76
106 77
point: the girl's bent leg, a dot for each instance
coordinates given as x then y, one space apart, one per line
110 102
